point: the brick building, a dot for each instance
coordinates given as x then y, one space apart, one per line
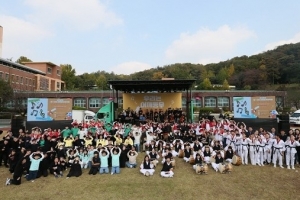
32 76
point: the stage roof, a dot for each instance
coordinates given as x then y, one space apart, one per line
152 86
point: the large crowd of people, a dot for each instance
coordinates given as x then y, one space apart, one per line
107 148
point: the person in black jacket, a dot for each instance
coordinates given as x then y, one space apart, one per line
95 164
5 149
167 170
18 171
44 166
75 169
123 156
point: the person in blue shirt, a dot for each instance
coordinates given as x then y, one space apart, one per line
35 159
115 160
104 153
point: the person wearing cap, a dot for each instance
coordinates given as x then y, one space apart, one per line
35 159
167 169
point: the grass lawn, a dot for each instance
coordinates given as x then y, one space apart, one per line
245 182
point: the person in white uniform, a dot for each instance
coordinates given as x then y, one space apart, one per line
278 151
290 146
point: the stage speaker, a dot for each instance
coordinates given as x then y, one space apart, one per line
17 124
283 117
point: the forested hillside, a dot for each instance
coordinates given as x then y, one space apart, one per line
278 66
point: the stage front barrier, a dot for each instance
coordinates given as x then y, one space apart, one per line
60 124
266 124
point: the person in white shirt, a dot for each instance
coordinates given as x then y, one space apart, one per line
268 148
146 167
291 151
260 151
137 140
278 151
245 142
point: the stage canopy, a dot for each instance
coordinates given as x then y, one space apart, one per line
151 86
159 86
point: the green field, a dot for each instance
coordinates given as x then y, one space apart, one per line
245 182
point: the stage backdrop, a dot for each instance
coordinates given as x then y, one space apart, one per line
254 107
151 101
48 109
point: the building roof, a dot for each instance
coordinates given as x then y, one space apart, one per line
49 63
147 86
20 67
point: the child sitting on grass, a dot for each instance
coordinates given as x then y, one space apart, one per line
131 163
104 161
115 160
35 159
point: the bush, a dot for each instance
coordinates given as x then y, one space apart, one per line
225 109
78 108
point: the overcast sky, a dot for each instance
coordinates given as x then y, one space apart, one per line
126 36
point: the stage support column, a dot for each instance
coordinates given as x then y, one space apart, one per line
117 96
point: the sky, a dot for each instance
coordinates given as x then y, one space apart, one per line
128 36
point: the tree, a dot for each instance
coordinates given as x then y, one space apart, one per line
158 75
222 75
225 85
230 71
101 82
68 76
206 74
6 92
205 85
23 59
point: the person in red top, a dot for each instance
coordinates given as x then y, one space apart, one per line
53 134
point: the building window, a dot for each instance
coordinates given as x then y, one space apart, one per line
26 81
105 101
94 102
49 70
223 102
210 102
183 102
21 79
17 79
80 102
6 77
58 73
120 101
29 82
12 78
44 83
58 85
197 102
